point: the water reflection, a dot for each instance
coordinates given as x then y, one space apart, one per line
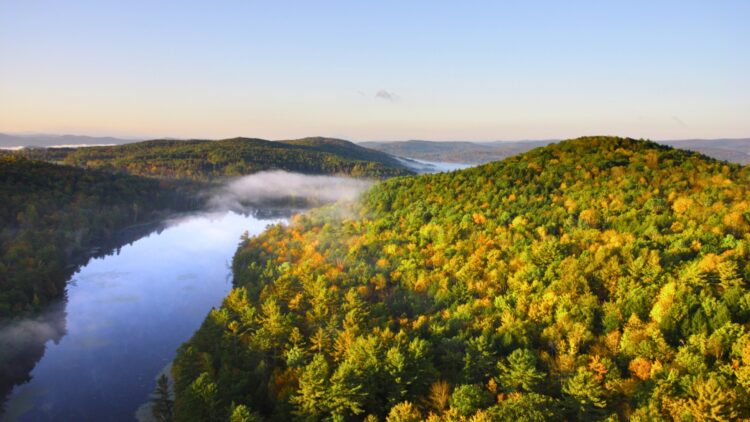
23 342
126 315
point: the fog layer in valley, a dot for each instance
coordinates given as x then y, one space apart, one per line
284 188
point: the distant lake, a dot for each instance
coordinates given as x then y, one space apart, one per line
125 316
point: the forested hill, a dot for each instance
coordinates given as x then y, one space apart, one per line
346 149
597 278
202 160
53 215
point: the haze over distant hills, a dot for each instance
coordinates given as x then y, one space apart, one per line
455 151
734 150
465 152
50 140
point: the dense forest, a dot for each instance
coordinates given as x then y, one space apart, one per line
204 160
594 279
54 217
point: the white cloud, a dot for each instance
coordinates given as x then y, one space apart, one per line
387 95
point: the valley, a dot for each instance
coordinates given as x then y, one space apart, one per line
253 211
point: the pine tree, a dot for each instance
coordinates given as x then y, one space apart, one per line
520 372
345 395
311 397
162 403
585 394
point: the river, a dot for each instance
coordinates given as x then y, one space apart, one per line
95 355
125 316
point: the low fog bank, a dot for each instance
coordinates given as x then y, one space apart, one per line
422 166
280 188
22 147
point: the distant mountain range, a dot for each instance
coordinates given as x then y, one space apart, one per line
48 140
734 150
464 152
455 151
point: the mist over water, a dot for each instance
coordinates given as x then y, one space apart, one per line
96 353
279 187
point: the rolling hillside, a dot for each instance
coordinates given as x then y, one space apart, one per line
594 279
203 160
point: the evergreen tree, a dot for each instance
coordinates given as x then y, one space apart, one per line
162 405
311 398
520 372
585 394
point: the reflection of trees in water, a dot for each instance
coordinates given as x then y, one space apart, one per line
282 207
269 213
22 344
23 340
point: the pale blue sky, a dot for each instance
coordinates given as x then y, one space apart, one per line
461 70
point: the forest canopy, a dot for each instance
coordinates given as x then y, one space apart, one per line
53 215
595 279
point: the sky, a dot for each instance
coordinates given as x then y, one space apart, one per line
377 70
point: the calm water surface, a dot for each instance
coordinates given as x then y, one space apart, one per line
124 318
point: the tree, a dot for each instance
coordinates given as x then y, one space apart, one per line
712 402
311 397
468 398
440 395
345 395
404 412
585 394
520 372
201 402
162 403
528 407
240 413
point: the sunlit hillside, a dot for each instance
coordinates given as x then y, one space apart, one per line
598 277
